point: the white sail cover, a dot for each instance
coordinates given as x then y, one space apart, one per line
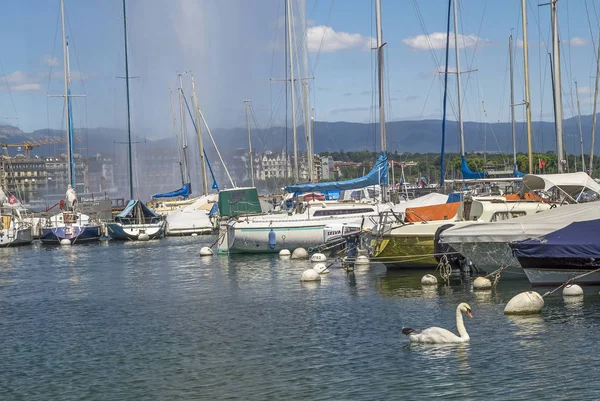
425 200
571 183
531 226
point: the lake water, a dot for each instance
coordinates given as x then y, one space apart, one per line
153 320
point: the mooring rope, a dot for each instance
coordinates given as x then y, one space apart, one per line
570 281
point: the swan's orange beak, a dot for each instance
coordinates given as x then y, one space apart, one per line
469 314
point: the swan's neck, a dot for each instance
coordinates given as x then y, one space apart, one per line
460 325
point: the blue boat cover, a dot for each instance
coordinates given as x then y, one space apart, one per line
129 210
467 174
577 240
454 197
183 191
378 175
517 173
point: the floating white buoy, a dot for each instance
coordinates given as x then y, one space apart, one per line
300 253
194 234
143 237
482 283
65 241
572 290
206 251
429 279
284 253
321 268
310 275
525 303
318 258
362 260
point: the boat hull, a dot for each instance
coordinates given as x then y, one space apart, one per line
75 233
553 271
124 232
16 237
406 251
246 239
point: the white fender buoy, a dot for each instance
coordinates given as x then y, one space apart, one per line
524 303
206 251
362 260
318 258
321 268
300 253
194 234
310 275
482 284
65 241
284 253
429 279
572 290
143 237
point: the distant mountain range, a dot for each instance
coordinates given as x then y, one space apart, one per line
422 136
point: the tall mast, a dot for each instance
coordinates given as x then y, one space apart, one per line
381 89
557 89
184 142
526 71
200 144
594 113
380 76
291 56
176 137
512 104
250 155
309 155
579 124
460 121
128 106
312 135
70 172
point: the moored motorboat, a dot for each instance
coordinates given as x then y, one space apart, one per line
486 245
561 255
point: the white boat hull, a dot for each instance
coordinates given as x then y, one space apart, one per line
244 238
119 231
555 277
15 237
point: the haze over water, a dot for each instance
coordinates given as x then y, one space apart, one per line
154 321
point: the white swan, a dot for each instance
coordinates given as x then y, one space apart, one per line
437 335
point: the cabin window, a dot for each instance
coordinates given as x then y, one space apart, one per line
499 216
337 212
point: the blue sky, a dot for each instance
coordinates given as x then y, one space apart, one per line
234 47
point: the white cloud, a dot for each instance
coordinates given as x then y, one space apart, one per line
585 90
21 81
577 41
437 40
520 43
26 88
49 61
333 41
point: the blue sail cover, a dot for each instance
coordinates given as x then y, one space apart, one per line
183 191
517 173
129 210
577 240
378 175
467 174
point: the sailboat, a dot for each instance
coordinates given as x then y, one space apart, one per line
14 228
186 215
136 221
69 226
